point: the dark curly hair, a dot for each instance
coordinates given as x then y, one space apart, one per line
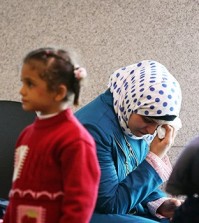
56 68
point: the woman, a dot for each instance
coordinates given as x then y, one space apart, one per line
133 160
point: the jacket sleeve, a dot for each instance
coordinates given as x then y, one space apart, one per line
138 186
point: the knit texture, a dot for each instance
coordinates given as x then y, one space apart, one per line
56 173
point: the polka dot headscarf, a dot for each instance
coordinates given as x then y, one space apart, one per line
146 88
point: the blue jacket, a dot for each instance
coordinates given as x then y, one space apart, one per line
128 181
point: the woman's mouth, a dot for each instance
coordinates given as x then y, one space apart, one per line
142 133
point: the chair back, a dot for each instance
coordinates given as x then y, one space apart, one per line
13 119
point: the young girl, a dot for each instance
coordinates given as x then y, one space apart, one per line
56 172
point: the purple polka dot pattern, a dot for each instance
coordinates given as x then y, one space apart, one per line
146 88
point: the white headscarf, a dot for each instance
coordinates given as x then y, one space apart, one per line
145 88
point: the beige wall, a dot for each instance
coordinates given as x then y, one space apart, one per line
107 34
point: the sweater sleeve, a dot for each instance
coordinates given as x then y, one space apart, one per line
80 181
7 214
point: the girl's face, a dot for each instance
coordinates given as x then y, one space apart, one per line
141 125
35 95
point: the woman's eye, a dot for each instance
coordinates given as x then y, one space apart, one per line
148 120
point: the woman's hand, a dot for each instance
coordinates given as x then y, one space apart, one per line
160 147
168 207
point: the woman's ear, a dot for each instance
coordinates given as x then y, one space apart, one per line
61 92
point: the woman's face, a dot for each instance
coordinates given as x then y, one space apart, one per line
141 125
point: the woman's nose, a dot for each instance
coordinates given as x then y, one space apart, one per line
151 128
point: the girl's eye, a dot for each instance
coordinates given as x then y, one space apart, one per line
29 83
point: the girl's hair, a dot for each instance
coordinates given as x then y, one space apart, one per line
57 68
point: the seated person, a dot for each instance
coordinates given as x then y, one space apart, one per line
133 159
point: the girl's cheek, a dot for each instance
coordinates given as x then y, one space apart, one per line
41 92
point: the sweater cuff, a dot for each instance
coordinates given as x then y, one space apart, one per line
154 205
162 166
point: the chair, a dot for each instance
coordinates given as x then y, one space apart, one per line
13 119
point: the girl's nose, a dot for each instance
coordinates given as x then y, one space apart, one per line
22 91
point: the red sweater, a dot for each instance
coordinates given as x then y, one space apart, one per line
56 173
